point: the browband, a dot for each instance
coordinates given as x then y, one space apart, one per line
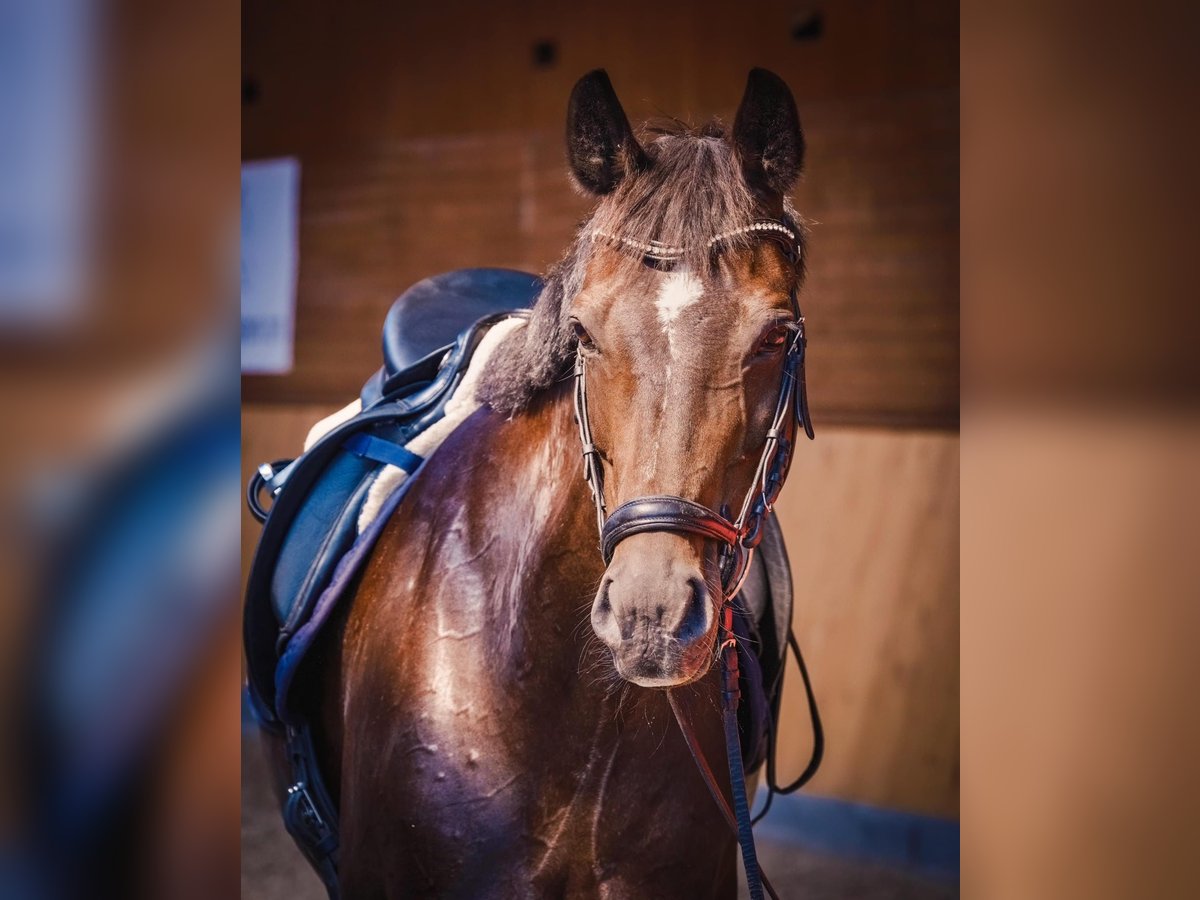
661 252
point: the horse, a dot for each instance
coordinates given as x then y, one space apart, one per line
493 705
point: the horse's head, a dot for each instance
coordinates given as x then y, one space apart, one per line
684 343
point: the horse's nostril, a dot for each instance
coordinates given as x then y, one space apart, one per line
694 624
605 605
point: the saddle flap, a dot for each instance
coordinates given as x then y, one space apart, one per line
314 521
762 624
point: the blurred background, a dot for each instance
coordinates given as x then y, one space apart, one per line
430 137
119 599
119 162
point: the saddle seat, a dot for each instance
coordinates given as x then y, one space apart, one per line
432 313
427 319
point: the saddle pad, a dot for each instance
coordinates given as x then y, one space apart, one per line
459 407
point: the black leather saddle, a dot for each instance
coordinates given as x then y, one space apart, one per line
427 319
433 312
429 338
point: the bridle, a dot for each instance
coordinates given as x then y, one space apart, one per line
738 536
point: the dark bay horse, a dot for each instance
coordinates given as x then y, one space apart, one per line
491 703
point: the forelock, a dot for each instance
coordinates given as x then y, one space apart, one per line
692 191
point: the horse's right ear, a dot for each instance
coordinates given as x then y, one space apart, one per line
601 147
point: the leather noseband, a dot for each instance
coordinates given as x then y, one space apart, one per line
663 514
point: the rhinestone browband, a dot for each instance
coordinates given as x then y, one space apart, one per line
659 251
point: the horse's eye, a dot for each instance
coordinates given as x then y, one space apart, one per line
581 335
774 340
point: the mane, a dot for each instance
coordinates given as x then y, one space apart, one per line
692 190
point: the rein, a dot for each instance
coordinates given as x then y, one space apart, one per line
738 537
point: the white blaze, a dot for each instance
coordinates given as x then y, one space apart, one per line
678 291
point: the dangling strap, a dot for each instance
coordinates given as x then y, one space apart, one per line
818 733
730 694
737 817
738 823
309 813
710 780
803 416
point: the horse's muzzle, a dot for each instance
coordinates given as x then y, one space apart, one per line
655 613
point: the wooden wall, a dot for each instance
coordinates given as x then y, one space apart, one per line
430 140
871 519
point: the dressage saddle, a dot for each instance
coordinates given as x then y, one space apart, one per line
429 317
429 337
311 549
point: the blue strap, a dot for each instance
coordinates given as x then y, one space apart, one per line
384 451
737 776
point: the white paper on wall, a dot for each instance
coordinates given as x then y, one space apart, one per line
270 257
48 62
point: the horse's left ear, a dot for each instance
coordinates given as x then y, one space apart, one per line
767 135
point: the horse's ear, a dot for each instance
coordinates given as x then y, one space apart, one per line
767 135
600 144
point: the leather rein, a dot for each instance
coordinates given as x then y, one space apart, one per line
738 537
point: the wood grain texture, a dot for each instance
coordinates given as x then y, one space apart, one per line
871 520
429 141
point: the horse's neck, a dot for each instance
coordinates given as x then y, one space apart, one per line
539 512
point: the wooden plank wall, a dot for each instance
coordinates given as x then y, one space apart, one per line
430 140
871 520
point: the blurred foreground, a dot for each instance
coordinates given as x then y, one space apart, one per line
119 465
